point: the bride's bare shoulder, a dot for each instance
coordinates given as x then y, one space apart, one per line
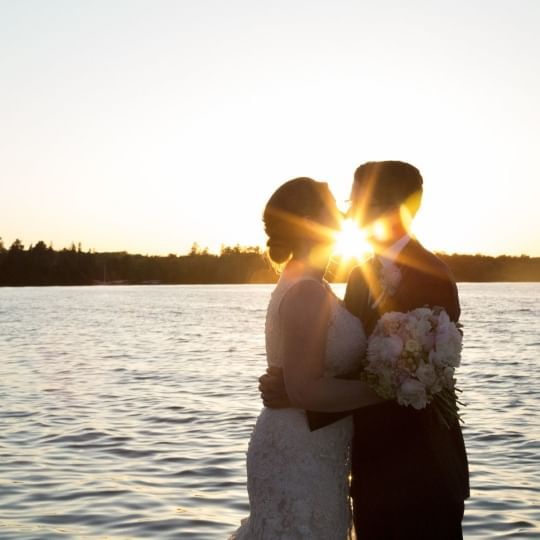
306 296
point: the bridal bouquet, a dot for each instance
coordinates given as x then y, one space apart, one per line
412 358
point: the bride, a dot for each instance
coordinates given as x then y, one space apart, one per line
297 479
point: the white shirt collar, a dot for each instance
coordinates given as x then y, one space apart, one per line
390 255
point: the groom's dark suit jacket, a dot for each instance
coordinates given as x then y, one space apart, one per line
401 455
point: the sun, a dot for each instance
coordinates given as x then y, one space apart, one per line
351 242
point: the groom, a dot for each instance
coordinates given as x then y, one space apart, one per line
409 471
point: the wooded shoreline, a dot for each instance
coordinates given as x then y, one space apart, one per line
41 265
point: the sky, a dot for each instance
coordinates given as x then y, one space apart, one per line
146 126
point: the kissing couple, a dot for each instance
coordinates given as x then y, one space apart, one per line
325 436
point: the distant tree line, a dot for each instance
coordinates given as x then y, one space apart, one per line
40 264
484 268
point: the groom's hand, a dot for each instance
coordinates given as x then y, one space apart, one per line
272 388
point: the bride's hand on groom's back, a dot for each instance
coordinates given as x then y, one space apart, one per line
272 389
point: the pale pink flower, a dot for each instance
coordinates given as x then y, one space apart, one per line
412 392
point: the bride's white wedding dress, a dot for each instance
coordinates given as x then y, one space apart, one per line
298 481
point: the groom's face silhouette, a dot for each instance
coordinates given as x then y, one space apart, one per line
384 192
365 209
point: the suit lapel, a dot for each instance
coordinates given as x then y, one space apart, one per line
370 271
406 262
409 259
371 274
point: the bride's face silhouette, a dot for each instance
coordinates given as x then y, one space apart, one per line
320 231
329 217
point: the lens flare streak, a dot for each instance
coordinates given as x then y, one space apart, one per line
351 242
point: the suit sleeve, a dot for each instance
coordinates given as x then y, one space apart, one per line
442 291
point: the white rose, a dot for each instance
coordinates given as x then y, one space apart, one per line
448 352
427 341
443 319
421 330
423 327
392 349
426 374
384 349
435 359
391 322
412 392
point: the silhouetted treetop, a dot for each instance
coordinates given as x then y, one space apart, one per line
42 265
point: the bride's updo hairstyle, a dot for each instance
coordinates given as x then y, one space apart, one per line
284 214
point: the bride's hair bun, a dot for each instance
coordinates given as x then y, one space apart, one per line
284 213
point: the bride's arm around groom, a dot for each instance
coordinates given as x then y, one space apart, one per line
305 312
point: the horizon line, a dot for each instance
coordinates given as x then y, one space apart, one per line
197 249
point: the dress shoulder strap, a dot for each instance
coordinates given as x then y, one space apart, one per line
285 286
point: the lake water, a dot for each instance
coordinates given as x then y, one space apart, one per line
126 411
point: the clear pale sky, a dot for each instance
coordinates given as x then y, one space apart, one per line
148 125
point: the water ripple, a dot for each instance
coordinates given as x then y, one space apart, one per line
126 411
